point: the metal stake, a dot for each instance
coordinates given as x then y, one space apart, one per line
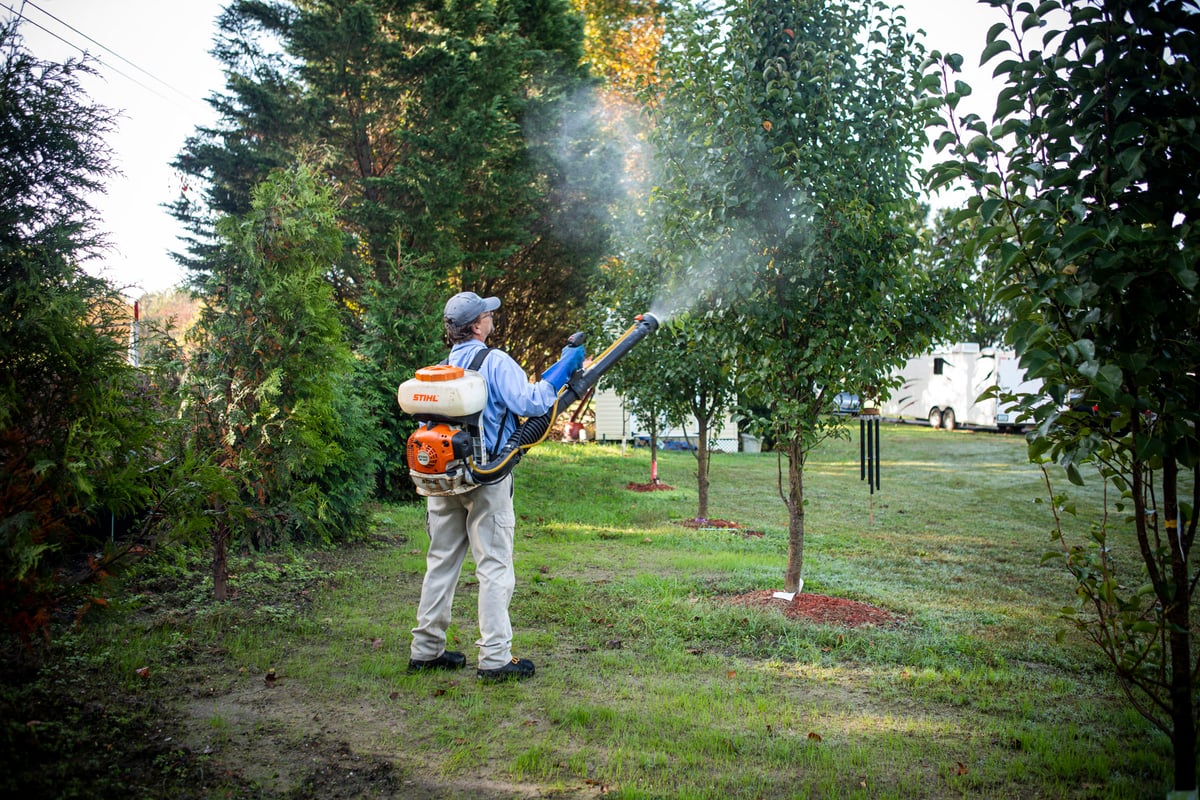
869 454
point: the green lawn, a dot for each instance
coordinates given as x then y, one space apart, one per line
651 683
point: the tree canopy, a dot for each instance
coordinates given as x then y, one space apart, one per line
1087 204
789 142
76 424
451 135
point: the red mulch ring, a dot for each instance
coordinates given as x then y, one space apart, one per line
701 523
821 609
649 487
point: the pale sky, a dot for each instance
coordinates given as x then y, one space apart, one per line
157 72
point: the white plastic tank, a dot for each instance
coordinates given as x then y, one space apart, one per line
443 390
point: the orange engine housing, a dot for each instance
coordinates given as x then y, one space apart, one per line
434 446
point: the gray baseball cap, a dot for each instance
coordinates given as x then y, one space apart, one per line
465 307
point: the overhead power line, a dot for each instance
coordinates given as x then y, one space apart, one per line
107 49
21 15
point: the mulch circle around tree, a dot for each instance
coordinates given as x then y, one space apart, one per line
649 487
821 609
817 608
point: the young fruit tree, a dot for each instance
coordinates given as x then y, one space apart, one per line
700 387
788 137
626 291
1085 187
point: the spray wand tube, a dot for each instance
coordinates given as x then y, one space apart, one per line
533 430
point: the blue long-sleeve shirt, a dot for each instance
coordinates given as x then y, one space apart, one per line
508 389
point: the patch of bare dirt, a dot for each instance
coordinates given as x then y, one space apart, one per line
297 745
821 609
703 523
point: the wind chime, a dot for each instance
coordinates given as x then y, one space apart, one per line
868 454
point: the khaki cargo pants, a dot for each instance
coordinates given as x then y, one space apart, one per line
482 520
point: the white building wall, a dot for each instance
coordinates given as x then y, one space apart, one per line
614 424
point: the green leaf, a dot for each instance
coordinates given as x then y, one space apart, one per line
1127 131
1108 380
994 49
1071 296
988 208
1130 159
1073 474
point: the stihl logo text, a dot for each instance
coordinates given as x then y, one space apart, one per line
425 398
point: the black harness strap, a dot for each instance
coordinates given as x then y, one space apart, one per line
476 361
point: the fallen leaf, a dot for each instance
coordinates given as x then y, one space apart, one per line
961 768
731 674
767 125
143 672
790 32
376 644
816 737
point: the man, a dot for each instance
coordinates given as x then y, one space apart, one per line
483 518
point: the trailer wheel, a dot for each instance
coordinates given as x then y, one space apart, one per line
935 418
948 419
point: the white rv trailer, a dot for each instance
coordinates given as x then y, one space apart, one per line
942 388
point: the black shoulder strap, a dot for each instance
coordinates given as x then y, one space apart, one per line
476 362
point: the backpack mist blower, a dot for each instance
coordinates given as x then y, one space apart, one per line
446 453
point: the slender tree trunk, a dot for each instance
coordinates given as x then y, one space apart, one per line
220 538
795 505
654 456
1183 723
702 459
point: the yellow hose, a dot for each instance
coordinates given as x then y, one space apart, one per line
553 414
